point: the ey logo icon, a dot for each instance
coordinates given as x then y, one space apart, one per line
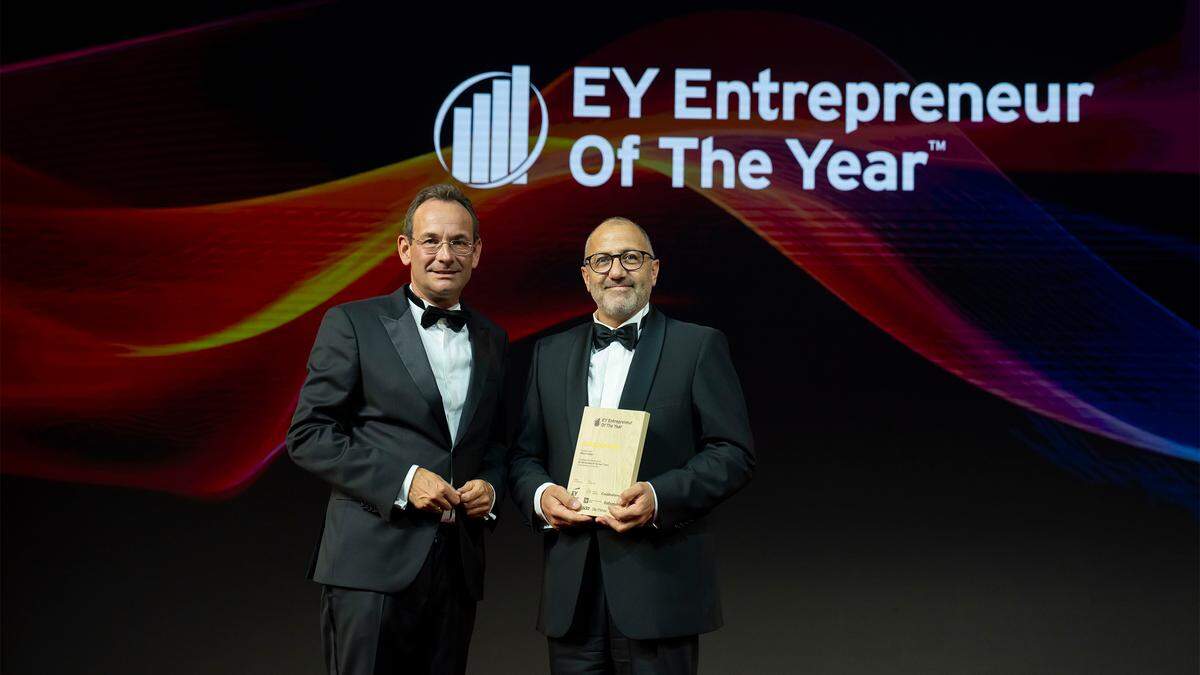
489 142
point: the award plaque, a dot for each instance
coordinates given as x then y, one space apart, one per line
607 456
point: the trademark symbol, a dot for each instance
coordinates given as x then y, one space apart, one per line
937 145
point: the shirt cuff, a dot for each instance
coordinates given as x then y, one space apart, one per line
402 499
490 515
537 502
653 518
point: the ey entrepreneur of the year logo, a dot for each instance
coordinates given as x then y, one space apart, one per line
489 144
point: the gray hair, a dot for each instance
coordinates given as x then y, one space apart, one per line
444 192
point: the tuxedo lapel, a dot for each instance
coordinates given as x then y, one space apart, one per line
645 361
402 330
575 394
481 359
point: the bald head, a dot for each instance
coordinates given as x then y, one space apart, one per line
622 228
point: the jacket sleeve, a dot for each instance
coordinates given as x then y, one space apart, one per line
320 438
494 469
725 459
528 468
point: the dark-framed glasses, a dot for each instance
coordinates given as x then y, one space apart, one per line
601 263
459 247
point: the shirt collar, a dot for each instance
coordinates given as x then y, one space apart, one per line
419 311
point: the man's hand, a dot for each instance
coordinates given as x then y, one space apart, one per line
636 508
477 497
561 509
429 492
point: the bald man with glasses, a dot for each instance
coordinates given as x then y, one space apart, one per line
631 591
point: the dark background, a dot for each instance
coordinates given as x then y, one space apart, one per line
901 521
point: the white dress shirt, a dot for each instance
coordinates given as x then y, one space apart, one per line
449 354
608 369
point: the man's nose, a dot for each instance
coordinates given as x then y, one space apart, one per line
616 272
443 254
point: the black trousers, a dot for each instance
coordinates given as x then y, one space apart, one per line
425 628
595 645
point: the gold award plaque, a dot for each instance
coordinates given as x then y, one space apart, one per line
607 456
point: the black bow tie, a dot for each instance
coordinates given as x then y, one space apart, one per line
455 318
603 336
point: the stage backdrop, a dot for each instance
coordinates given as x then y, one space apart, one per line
955 256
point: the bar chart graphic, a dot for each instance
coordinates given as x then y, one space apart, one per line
490 129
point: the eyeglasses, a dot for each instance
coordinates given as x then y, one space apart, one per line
632 261
459 247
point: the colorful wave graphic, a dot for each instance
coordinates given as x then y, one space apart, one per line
162 347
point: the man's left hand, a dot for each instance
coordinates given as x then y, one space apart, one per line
477 496
635 509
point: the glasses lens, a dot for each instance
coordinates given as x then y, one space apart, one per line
600 263
461 247
631 260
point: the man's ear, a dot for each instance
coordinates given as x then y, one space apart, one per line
475 254
654 272
403 247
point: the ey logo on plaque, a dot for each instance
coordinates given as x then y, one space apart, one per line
607 456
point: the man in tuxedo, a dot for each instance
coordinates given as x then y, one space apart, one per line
399 414
630 592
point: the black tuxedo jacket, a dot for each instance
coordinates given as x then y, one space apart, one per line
368 411
659 582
